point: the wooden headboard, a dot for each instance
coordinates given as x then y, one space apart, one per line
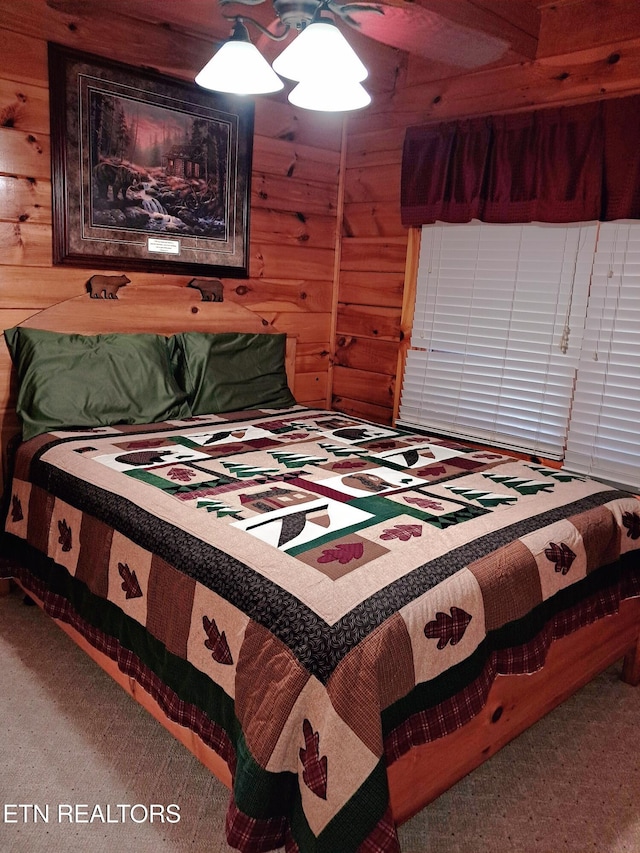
162 309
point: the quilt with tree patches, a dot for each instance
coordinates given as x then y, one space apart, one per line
313 593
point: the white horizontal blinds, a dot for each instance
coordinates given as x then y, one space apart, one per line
493 308
605 421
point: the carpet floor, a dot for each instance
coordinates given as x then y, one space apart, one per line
73 740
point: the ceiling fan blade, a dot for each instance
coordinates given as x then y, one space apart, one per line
422 32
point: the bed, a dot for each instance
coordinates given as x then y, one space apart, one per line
339 618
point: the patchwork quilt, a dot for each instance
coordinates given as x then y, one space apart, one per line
312 593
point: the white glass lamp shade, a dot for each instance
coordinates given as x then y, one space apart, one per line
240 69
329 95
320 51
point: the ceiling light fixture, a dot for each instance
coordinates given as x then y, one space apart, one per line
239 68
320 60
329 96
320 50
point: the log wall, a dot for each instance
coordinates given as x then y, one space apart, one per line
294 232
587 49
328 252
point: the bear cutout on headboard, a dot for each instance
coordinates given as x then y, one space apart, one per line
106 286
210 288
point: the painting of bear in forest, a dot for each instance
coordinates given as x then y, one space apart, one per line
147 169
155 170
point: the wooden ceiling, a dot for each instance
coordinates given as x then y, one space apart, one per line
436 39
462 33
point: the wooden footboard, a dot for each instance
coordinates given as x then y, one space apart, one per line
631 666
515 703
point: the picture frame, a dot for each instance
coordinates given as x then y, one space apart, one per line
148 172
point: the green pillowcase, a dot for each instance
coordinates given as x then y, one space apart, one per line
69 381
229 372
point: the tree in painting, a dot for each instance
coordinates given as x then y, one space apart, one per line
157 170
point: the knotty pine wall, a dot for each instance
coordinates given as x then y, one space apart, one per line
297 164
587 49
328 253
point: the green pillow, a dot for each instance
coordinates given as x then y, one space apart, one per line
75 381
231 371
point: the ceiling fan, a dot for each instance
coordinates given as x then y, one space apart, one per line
326 69
402 24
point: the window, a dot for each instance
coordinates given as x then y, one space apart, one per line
497 351
605 419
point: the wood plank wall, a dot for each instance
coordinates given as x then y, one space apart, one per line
294 202
587 49
341 289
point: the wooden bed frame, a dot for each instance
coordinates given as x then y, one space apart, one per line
161 309
515 702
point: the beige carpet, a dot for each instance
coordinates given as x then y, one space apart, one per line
72 737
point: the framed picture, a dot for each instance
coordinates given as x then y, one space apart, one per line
148 173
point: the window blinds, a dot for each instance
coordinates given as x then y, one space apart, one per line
498 323
605 420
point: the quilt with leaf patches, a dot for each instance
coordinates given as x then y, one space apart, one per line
312 593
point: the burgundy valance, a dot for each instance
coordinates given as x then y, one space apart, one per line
561 164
